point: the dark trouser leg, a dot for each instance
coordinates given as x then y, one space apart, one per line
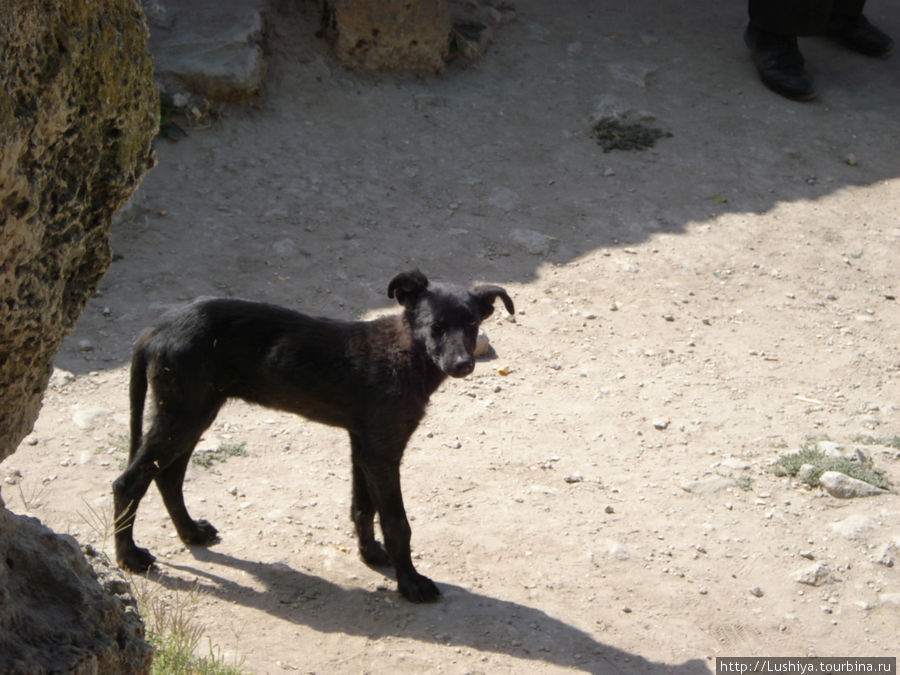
801 17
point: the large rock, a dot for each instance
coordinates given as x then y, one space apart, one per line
409 35
842 486
212 48
60 613
78 111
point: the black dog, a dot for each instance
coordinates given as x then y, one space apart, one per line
373 378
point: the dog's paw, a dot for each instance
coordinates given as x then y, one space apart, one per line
201 533
419 589
374 554
136 559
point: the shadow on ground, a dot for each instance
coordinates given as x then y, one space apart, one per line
460 618
333 181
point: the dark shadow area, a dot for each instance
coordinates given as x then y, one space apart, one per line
460 618
335 180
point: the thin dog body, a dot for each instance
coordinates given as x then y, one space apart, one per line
373 378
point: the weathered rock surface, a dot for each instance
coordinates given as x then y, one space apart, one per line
391 34
209 47
842 486
78 111
61 612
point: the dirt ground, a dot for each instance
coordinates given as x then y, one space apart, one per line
686 314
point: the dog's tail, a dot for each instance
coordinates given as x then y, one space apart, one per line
137 394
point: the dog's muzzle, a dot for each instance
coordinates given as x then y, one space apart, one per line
461 367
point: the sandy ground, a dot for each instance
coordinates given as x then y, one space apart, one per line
687 314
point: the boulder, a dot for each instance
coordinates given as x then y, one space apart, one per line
842 486
209 47
412 35
78 111
63 612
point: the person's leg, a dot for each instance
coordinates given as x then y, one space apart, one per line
771 36
850 28
794 17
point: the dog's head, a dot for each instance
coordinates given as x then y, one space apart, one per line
445 318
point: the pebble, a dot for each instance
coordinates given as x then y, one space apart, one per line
61 378
85 346
482 345
814 575
573 478
661 423
886 554
757 592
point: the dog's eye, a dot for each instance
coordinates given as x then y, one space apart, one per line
438 329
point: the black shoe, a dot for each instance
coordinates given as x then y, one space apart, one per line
780 63
861 36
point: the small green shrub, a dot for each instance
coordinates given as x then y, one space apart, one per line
206 458
789 465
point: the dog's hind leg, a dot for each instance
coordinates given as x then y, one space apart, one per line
362 512
170 482
166 447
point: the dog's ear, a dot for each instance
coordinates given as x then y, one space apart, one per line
487 294
407 286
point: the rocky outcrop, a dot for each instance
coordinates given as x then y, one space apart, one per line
78 110
62 612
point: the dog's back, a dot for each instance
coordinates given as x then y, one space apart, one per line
324 369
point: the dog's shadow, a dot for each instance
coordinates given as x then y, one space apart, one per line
461 618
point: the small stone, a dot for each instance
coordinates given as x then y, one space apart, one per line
850 159
609 509
757 592
886 554
573 478
661 423
60 378
85 346
815 575
482 345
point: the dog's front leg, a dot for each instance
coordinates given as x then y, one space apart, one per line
362 512
382 478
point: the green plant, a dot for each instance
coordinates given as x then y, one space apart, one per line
809 454
206 458
744 482
32 500
176 635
